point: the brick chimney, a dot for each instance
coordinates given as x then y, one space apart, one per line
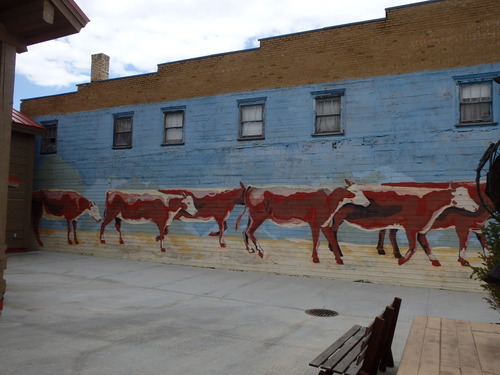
100 67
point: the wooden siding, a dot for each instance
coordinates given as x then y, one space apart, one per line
19 198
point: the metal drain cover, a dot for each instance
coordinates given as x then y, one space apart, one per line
322 312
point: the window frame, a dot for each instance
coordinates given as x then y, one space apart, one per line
470 79
170 111
247 103
462 104
116 118
49 125
318 96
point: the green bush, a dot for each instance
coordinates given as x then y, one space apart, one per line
492 233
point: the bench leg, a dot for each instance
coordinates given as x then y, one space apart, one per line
387 361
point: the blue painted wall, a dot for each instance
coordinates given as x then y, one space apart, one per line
396 128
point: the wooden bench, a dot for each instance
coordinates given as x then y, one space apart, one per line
362 350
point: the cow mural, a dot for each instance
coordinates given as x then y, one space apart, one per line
413 209
463 221
61 205
211 204
290 207
144 206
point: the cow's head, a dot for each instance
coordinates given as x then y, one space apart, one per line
357 197
188 205
462 199
93 212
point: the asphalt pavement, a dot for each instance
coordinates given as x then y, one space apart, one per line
74 314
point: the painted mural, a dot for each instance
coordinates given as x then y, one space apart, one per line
61 205
292 202
415 208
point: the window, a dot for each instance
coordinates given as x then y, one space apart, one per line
251 125
122 132
49 138
327 117
475 103
174 127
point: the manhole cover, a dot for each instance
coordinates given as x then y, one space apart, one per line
321 312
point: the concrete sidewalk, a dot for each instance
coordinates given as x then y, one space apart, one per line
70 314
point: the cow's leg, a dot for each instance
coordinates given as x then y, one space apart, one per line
334 245
36 224
337 246
253 225
332 239
75 239
394 243
118 227
163 228
463 239
380 243
107 219
245 238
162 238
412 245
222 228
315 238
482 240
68 223
422 239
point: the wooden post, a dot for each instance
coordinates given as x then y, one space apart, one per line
7 66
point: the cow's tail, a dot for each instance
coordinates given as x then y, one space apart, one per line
106 203
245 193
236 225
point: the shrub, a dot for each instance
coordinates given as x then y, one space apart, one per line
492 233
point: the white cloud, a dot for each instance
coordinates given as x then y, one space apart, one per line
139 35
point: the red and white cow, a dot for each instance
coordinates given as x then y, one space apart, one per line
58 205
462 220
144 206
211 204
290 207
413 209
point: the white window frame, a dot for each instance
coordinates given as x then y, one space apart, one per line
175 128
324 114
118 133
475 102
248 120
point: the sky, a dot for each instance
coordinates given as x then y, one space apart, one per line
140 34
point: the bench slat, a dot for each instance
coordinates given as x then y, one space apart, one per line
350 358
358 364
320 359
353 345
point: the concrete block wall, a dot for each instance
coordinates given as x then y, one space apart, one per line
397 128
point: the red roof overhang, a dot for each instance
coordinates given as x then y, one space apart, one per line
24 124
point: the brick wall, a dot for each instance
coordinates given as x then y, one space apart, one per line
100 67
424 36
